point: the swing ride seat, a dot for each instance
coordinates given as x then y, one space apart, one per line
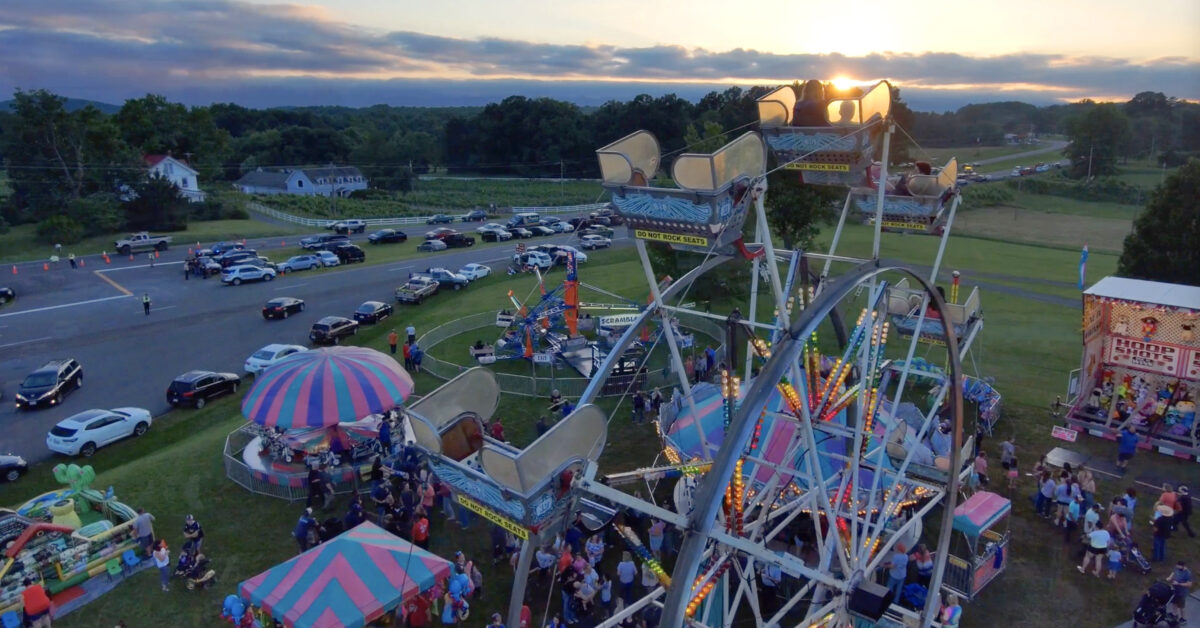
569 444
707 210
448 422
904 306
834 154
923 211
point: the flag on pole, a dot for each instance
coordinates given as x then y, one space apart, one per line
1082 265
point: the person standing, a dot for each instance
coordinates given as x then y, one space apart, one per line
393 338
1183 510
36 604
639 408
303 526
497 430
1008 450
626 572
187 270
1162 531
1181 582
316 486
412 334
150 256
1126 447
897 567
144 531
71 259
1071 522
193 532
407 350
385 435
162 560
1097 550
420 529
146 302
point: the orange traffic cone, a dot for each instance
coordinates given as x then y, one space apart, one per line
282 243
106 259
189 251
45 266
14 269
156 255
81 264
131 257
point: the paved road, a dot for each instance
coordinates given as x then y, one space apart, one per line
1055 147
129 358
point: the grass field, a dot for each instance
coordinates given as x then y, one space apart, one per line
1053 229
1028 346
21 243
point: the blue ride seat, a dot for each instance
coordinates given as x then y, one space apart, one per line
904 308
707 209
923 210
837 152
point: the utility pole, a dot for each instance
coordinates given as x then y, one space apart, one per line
562 181
1091 148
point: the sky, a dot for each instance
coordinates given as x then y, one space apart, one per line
261 53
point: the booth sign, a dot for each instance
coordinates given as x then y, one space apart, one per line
1064 433
518 530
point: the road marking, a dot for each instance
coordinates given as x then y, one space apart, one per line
56 307
25 342
119 287
295 285
165 307
402 268
113 270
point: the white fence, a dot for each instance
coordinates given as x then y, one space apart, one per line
259 208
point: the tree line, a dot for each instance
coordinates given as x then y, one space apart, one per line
81 164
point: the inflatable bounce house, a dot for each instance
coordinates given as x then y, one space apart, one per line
65 539
1140 364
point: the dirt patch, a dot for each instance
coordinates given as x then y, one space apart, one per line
1014 224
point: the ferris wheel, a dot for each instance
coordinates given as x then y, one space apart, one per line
806 457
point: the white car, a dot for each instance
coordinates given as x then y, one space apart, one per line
491 226
84 433
328 258
269 355
237 274
475 271
562 227
594 242
300 262
533 258
580 256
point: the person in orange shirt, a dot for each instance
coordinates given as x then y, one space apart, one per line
420 529
37 605
393 338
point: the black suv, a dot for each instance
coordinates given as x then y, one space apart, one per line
349 253
331 330
325 241
197 387
47 385
475 215
458 240
387 235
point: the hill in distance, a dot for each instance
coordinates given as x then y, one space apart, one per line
73 104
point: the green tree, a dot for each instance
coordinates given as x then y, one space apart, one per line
713 137
1165 243
156 205
97 213
1098 137
59 230
152 125
797 211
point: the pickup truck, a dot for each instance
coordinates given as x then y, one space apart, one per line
142 241
321 242
417 289
446 278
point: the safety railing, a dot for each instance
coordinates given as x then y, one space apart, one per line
292 486
259 208
562 209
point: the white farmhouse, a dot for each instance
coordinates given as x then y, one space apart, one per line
325 181
177 172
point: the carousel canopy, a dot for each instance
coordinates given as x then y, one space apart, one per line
348 581
1155 292
324 387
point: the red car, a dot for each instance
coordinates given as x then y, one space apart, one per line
439 234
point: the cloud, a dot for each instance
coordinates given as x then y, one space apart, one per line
204 46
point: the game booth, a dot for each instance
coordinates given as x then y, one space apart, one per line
347 582
77 542
1140 364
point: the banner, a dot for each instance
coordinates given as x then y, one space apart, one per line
487 513
1148 356
619 320
801 165
670 238
1082 265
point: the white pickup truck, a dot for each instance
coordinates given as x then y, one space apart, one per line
142 241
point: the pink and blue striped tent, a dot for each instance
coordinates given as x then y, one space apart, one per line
346 582
324 387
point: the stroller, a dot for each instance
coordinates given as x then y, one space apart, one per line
1133 557
195 568
1152 609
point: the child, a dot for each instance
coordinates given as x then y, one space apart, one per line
1012 474
1114 561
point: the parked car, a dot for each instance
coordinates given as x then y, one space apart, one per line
521 232
209 265
458 240
331 330
595 229
475 215
384 236
331 243
221 247
268 356
12 467
373 312
562 227
539 230
195 388
1041 168
349 254
418 288
234 258
495 235
448 279
350 226
7 294
560 255
318 242
475 271
328 258
82 434
439 233
430 246
236 275
439 219
488 227
300 262
594 242
533 258
263 261
282 307
49 383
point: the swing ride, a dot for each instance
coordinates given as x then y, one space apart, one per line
810 457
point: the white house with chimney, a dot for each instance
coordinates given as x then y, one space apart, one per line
178 172
330 180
